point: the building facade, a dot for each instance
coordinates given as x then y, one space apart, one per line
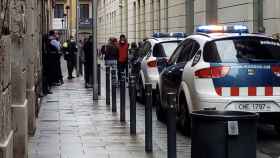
22 26
139 18
64 18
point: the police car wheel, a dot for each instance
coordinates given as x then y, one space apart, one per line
184 118
141 92
277 128
159 111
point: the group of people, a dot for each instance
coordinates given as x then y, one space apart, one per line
52 52
116 54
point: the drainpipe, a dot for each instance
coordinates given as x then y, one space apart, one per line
189 5
258 16
211 12
166 15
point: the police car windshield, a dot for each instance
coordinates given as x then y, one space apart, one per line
242 50
165 49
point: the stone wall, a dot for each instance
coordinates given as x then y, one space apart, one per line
139 18
20 71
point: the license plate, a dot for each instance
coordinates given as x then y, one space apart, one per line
253 107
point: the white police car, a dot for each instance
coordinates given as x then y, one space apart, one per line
157 51
223 68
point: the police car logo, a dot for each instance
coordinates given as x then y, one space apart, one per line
251 72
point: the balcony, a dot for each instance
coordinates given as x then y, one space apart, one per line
85 23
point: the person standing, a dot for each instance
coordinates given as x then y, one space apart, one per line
133 56
111 53
71 57
123 55
88 61
53 48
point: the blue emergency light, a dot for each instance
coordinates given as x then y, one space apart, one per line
222 29
169 35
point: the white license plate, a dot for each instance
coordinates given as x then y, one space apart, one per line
254 107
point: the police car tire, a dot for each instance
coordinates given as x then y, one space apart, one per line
141 92
184 119
159 110
277 128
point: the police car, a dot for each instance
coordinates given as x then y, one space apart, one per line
223 68
157 51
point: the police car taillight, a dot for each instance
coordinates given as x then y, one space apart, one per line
212 72
276 70
152 63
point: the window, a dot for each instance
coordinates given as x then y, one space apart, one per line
84 11
59 11
242 50
176 53
191 47
145 49
165 49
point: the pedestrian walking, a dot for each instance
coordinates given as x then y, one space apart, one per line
88 62
123 56
71 57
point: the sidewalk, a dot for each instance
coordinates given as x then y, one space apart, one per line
70 125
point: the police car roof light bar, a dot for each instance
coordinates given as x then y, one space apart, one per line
222 29
167 35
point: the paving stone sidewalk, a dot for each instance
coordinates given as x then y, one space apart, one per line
71 125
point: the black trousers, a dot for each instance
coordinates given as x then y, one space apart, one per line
88 73
122 67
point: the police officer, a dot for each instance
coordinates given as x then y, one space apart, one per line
53 48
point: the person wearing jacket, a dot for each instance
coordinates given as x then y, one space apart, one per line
88 62
111 52
123 55
71 57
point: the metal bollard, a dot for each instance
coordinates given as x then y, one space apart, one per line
171 126
114 90
99 78
122 97
132 96
107 85
148 119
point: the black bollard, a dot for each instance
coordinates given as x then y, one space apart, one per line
99 78
122 97
148 119
171 126
114 90
132 97
107 85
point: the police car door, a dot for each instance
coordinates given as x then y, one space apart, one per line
172 76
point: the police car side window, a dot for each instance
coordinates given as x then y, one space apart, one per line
176 53
147 47
185 53
195 48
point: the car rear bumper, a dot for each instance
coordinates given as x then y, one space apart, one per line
270 117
